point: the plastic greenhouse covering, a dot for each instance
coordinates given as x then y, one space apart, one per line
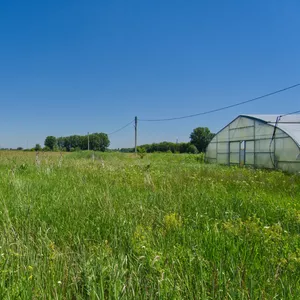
263 141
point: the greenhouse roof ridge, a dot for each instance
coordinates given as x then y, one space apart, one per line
290 124
272 118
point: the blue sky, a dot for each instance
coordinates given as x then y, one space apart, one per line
69 67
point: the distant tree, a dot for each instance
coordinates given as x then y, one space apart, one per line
103 141
99 141
200 137
60 142
83 142
67 143
126 150
168 147
46 148
192 149
75 141
37 147
183 147
50 142
19 148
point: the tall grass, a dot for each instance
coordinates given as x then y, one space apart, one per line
162 227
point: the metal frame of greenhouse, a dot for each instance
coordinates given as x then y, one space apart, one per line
262 141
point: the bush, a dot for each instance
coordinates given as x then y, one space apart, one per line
37 147
192 149
46 148
141 152
201 157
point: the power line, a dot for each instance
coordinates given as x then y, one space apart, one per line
121 128
291 113
221 108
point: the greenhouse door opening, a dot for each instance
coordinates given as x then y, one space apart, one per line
234 155
241 153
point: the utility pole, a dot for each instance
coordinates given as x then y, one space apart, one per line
135 134
88 141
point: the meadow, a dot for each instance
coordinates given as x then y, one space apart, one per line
166 226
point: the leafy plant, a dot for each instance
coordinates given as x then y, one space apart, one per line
141 152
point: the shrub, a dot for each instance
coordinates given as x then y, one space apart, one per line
141 152
192 149
46 148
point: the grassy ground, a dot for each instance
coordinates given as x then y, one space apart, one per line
162 227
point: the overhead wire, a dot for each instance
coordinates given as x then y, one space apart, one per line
291 113
123 127
221 108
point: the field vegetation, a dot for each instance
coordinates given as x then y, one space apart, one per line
115 226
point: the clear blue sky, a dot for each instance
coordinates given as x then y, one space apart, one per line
69 67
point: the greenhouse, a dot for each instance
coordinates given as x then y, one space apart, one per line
262 141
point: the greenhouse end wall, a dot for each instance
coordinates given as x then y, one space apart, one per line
253 142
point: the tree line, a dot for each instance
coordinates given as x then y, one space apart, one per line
199 140
164 147
95 141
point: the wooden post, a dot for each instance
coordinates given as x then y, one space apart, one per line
135 133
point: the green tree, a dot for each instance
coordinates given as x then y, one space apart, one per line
60 142
46 148
200 137
99 141
50 142
192 149
37 147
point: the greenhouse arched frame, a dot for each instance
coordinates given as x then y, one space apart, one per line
260 141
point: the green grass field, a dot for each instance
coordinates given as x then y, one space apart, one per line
162 227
